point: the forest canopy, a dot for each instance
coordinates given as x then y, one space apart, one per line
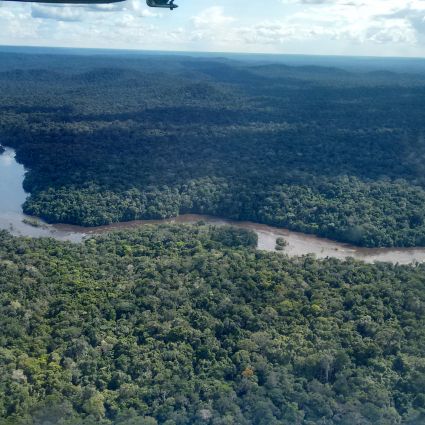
179 325
316 149
192 325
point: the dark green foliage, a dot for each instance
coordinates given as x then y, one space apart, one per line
314 149
190 325
234 237
280 244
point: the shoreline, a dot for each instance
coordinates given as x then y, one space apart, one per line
298 243
13 220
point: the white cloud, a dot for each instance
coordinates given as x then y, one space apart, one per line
276 33
352 21
374 21
211 25
316 26
58 13
17 24
212 17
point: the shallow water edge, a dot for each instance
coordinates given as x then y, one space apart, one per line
12 219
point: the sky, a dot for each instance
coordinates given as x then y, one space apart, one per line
323 27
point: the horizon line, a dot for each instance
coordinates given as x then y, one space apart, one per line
197 52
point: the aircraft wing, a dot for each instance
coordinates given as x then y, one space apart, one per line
67 1
167 4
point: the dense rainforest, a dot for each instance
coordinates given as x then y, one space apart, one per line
335 152
180 325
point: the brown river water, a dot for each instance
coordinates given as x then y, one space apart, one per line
12 219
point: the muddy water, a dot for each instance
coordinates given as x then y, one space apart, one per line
12 197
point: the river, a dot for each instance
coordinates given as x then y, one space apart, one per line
12 219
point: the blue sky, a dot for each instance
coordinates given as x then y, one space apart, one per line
332 27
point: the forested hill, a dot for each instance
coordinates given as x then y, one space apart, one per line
190 325
316 149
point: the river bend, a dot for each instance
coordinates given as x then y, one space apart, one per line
12 196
